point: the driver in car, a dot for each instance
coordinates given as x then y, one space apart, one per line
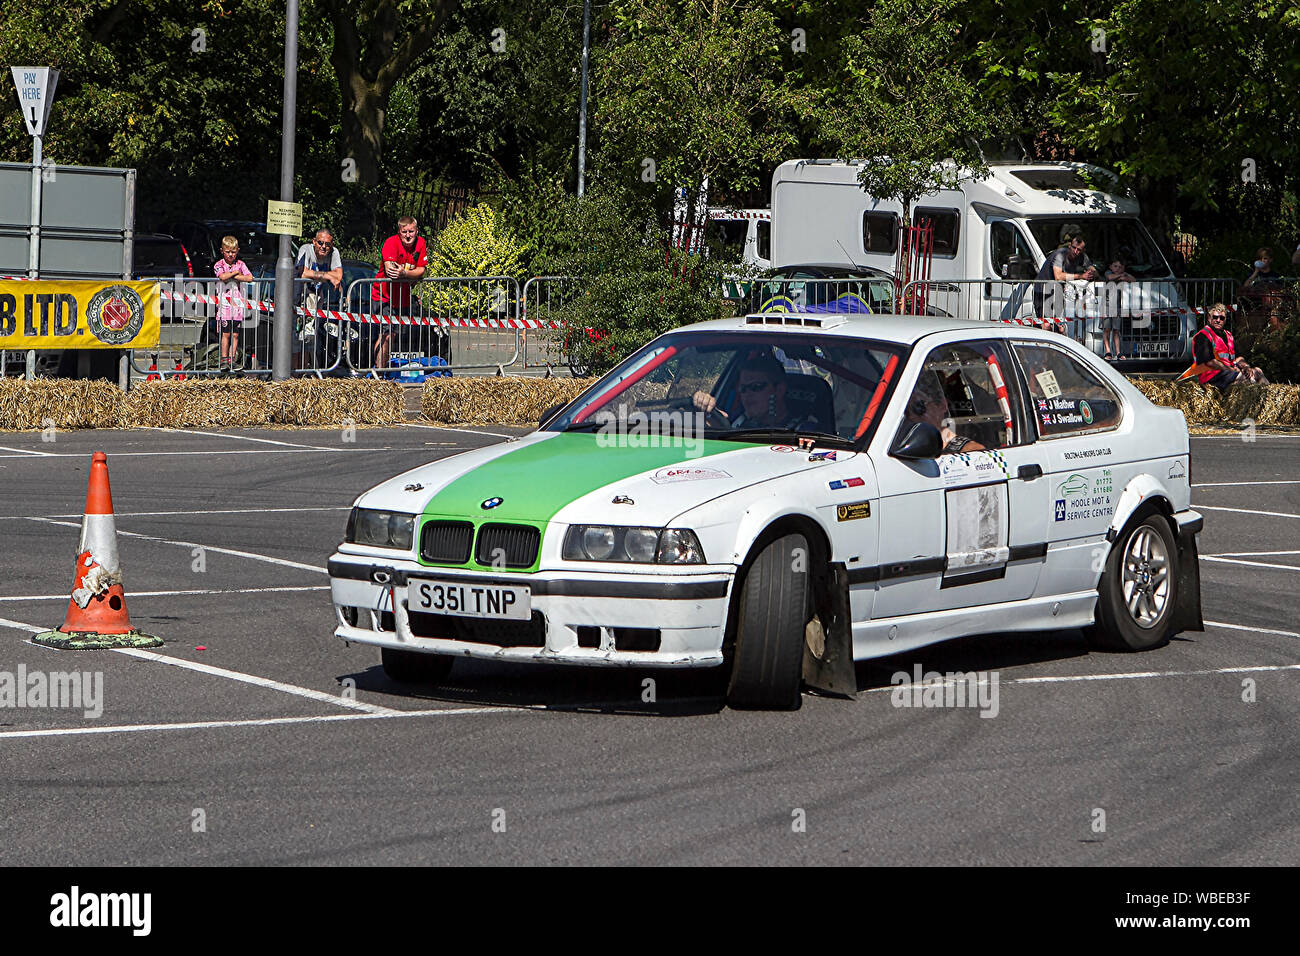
761 384
929 404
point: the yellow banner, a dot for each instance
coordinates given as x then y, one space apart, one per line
106 314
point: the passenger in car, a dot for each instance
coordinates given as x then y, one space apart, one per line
929 404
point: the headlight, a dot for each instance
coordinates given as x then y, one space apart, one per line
381 529
589 542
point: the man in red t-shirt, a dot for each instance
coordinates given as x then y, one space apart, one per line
403 260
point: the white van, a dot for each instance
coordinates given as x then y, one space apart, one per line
991 236
750 230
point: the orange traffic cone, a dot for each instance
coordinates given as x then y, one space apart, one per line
97 615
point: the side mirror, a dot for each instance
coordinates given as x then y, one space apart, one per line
550 413
922 441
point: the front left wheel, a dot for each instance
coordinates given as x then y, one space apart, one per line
775 606
1138 590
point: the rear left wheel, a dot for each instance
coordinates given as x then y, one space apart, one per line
775 606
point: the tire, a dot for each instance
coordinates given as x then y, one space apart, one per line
1138 590
775 605
413 667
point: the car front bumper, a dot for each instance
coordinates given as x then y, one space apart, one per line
596 618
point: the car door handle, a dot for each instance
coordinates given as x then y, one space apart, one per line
1029 472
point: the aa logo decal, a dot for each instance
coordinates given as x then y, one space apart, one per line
115 315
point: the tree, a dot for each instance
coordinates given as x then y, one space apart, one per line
907 107
688 91
376 43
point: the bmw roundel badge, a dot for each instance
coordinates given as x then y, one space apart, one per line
491 503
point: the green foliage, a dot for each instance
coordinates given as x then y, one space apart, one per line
475 243
902 112
632 287
696 88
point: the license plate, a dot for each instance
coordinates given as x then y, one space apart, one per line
1155 348
467 599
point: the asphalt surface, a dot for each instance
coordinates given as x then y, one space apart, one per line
224 539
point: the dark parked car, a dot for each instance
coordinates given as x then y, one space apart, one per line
159 256
202 237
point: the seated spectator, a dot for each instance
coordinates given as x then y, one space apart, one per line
1264 276
1215 363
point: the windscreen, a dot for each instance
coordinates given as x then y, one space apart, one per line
1107 239
744 384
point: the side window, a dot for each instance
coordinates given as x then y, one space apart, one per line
963 391
947 227
880 232
1067 397
1009 254
764 239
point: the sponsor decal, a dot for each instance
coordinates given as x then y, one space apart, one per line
1086 411
665 476
115 315
972 467
1176 470
414 487
491 503
783 448
1086 453
847 483
851 512
621 500
822 456
1082 497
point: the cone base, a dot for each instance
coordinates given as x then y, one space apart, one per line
88 641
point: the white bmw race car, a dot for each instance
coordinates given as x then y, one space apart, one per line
781 495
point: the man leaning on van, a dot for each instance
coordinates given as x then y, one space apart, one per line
1066 263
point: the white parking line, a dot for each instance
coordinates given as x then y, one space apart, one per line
257 681
1083 678
1233 484
185 454
194 544
1252 564
25 452
140 594
1242 627
261 722
1247 511
267 441
1251 554
20 626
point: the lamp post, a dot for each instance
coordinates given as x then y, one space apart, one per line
282 331
582 96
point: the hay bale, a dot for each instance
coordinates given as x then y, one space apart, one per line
1198 403
495 401
63 403
313 402
198 404
1280 406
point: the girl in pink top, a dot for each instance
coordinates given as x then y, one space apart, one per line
230 311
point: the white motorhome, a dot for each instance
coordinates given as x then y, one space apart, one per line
991 236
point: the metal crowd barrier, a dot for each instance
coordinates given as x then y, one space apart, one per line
449 323
1145 320
546 344
875 295
189 342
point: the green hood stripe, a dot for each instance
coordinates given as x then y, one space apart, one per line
537 480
